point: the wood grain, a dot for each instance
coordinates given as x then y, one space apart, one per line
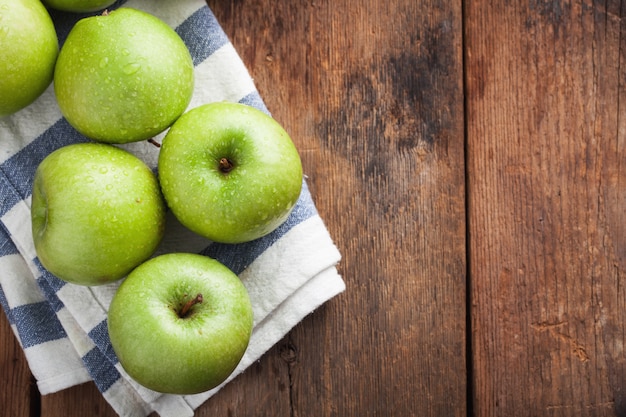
20 399
546 182
80 400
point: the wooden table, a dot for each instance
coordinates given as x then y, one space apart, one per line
468 157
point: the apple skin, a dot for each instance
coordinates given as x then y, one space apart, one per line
247 202
170 354
78 6
123 77
28 52
97 212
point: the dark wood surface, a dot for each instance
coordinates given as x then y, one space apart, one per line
468 158
546 178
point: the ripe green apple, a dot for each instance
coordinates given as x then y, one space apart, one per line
97 212
229 172
180 323
28 52
123 76
78 6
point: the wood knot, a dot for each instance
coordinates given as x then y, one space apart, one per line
289 352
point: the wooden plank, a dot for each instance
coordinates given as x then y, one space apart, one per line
80 400
372 94
18 395
547 187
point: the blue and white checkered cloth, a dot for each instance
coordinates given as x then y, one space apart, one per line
62 327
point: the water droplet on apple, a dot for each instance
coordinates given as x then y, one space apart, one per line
104 62
125 52
132 68
103 170
89 179
109 187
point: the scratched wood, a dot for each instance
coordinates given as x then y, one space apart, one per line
547 193
372 93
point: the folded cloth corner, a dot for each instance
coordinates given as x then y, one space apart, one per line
62 327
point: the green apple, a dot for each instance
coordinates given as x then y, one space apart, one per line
97 212
180 323
123 76
78 6
28 52
229 172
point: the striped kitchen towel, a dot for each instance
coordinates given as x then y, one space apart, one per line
62 327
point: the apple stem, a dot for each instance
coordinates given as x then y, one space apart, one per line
225 165
193 301
154 142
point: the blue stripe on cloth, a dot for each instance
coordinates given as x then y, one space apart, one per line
100 369
50 293
7 247
54 282
100 336
36 323
10 196
238 257
202 34
5 306
254 99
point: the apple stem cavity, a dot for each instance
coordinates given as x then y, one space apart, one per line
187 307
226 165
